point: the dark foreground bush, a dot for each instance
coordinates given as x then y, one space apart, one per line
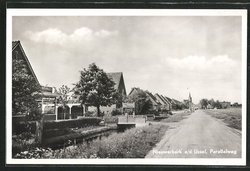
21 127
116 112
23 142
160 117
74 123
133 143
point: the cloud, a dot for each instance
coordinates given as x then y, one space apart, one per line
105 33
58 37
195 63
51 36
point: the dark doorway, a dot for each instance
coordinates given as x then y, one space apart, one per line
76 111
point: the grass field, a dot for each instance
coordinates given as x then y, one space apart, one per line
232 116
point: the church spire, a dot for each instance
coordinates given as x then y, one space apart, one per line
190 98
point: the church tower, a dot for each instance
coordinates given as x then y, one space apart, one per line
190 98
190 102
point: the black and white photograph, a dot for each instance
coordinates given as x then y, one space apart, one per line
109 86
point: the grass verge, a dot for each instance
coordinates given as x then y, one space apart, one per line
232 116
176 117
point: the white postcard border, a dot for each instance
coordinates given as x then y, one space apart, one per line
123 12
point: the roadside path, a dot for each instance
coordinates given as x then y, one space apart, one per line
199 136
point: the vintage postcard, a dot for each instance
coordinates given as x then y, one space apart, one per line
126 86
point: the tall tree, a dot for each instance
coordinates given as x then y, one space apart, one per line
95 88
211 102
141 100
25 90
218 104
63 98
203 103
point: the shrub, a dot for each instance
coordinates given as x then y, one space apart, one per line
116 112
19 118
22 142
74 123
154 112
160 117
90 113
21 127
48 133
110 120
49 117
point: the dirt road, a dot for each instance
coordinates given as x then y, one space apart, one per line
199 136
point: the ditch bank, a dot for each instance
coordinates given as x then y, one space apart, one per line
79 136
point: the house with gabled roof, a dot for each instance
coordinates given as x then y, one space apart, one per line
18 53
160 100
47 93
117 77
156 104
119 86
168 100
134 90
164 104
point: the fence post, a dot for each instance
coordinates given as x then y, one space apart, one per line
39 130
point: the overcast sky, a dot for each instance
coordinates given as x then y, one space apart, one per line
165 55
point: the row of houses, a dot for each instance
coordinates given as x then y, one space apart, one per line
53 111
160 102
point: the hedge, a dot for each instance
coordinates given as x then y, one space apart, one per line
20 127
19 118
73 123
160 117
49 117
